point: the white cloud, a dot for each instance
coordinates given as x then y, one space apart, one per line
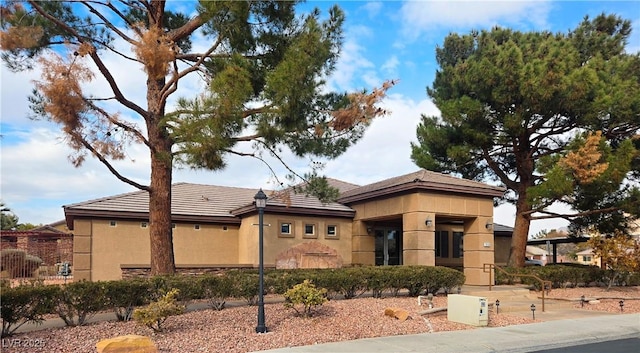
391 65
352 63
372 8
384 151
418 17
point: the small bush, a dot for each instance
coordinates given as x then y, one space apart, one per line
304 298
245 285
156 313
26 303
124 295
216 290
188 286
79 301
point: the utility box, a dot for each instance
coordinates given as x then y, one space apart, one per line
467 309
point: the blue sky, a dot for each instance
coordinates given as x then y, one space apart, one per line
383 40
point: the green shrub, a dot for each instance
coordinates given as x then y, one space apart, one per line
156 313
379 280
26 303
245 285
188 286
350 282
124 295
79 301
216 290
304 298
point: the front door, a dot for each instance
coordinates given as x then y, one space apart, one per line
388 246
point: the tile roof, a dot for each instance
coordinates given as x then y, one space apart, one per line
187 199
198 201
421 179
213 203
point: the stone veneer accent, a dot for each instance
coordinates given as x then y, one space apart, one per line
311 254
142 271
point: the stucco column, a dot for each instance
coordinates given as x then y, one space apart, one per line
478 250
363 245
418 239
81 250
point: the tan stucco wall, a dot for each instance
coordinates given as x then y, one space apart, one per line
100 249
418 238
275 243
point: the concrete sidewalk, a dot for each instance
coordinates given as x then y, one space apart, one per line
509 339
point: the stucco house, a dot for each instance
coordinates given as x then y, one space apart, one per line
421 218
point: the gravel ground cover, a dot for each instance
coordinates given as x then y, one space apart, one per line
233 329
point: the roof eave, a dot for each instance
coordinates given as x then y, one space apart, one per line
277 209
71 214
438 187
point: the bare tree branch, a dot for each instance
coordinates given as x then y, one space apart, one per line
104 161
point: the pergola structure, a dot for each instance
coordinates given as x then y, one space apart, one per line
555 241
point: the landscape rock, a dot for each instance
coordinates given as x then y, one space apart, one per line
398 313
127 344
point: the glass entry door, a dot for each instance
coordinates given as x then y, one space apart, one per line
388 246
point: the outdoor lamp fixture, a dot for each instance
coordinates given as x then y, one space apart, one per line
582 301
497 306
533 311
621 305
428 222
489 225
261 203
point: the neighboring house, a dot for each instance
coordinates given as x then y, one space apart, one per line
586 257
53 244
536 253
421 218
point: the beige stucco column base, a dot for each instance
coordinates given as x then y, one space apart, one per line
418 242
478 251
363 245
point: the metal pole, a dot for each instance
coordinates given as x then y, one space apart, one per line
261 328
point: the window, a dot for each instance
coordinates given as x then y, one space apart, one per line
442 243
173 226
286 229
586 258
310 230
225 228
196 226
332 230
113 223
458 249
144 225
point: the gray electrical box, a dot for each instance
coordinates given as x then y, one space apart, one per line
467 309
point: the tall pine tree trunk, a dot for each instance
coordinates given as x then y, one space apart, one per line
160 230
520 234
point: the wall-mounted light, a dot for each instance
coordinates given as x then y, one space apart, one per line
489 225
369 230
428 222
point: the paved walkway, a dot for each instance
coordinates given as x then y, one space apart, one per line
510 339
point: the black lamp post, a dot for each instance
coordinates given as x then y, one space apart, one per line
497 306
582 301
621 303
261 203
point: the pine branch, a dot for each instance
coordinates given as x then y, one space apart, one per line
104 161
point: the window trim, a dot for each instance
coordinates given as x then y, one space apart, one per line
314 231
291 233
335 235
